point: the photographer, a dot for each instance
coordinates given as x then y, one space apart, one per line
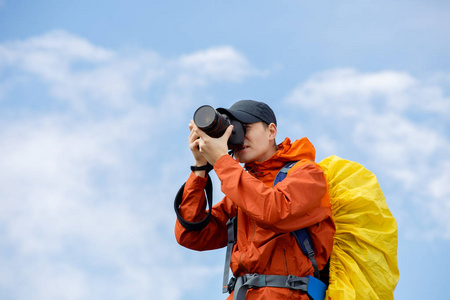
266 214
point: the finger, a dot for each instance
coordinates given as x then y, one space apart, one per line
195 145
192 136
191 125
194 126
228 132
200 143
199 132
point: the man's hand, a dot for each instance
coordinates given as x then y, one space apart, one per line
205 148
194 142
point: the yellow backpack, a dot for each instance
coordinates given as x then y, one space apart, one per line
363 263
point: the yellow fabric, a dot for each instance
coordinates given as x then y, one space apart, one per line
363 263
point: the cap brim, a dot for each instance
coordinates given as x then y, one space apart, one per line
241 116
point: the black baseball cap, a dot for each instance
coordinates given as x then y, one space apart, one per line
250 111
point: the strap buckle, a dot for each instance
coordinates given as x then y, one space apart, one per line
297 283
232 228
253 280
231 285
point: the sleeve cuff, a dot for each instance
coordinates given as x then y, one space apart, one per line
222 162
197 181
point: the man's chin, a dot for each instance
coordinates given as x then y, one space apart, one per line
242 159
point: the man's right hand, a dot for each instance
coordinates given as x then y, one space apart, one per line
194 140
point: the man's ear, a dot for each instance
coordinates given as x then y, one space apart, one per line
272 130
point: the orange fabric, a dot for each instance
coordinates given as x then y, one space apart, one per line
266 215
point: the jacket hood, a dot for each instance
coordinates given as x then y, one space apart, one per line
287 151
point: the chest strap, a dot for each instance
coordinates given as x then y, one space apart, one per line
313 287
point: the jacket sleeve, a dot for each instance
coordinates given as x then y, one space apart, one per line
294 203
193 209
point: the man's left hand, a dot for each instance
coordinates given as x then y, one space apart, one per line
213 148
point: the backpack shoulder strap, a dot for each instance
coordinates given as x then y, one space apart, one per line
283 172
301 235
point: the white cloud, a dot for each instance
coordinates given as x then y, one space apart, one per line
219 63
348 93
84 74
83 187
51 54
398 122
79 72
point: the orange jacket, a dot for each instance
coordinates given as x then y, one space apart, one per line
266 215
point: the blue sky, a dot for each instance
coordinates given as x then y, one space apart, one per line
95 99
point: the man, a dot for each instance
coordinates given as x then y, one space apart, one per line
266 214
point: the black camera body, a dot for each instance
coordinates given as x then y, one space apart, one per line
215 124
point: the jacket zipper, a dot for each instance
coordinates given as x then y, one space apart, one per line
285 261
242 253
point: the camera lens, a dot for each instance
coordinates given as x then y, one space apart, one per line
211 121
205 117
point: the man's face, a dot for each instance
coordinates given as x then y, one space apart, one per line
258 143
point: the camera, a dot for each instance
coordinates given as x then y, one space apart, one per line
215 124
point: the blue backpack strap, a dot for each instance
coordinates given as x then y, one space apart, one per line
304 241
301 235
283 172
316 288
